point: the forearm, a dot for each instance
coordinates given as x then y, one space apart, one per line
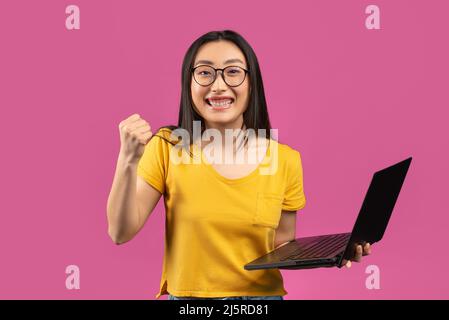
122 210
286 230
282 238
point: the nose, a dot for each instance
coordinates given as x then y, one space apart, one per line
218 84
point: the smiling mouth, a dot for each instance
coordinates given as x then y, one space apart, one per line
219 103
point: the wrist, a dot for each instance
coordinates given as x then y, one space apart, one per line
127 161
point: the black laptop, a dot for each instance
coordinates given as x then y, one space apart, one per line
331 250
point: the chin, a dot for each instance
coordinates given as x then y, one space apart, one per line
220 120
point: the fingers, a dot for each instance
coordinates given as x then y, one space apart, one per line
129 120
358 253
145 137
346 263
140 128
367 249
135 128
133 123
136 125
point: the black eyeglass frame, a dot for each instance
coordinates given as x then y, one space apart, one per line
216 72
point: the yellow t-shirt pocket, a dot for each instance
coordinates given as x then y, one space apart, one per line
268 209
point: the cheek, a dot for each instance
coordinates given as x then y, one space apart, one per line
243 96
198 94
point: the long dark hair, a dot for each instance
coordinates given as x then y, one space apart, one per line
256 114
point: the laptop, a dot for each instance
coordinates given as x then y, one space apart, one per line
330 250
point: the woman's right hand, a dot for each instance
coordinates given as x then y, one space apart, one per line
135 133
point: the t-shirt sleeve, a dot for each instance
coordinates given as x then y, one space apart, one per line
153 166
294 198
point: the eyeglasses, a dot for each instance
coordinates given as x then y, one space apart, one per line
205 75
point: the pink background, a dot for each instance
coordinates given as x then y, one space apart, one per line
351 100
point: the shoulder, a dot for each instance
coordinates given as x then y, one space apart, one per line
291 165
163 132
164 137
160 144
289 159
287 153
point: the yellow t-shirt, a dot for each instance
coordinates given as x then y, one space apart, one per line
215 225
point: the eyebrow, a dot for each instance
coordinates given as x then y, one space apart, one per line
226 62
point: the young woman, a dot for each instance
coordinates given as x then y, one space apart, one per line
220 215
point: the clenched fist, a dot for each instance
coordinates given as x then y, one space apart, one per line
135 133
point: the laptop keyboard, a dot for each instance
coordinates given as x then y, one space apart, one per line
321 247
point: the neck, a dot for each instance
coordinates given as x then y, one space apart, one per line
238 129
237 125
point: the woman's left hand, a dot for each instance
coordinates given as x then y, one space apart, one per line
359 252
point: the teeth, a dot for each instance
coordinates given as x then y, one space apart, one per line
221 103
